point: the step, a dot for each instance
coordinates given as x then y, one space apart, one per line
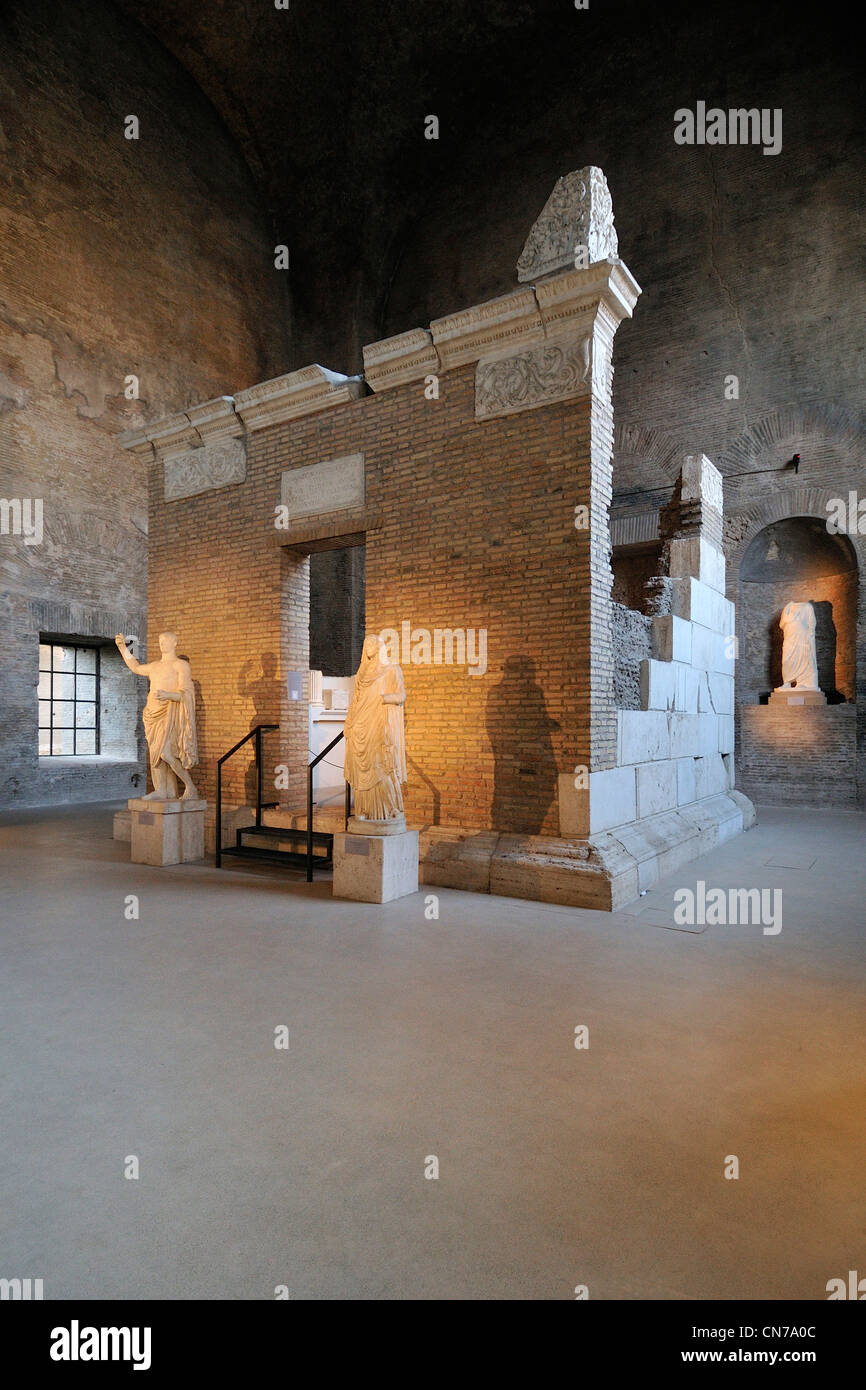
286 858
284 832
329 819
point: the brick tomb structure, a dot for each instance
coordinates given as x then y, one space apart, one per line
473 460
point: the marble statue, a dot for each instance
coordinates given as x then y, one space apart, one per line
375 743
799 662
169 718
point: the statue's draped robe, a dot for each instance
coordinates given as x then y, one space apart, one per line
375 741
169 725
799 664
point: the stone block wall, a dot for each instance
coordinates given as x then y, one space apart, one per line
675 751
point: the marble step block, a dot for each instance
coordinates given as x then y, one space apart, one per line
375 868
167 832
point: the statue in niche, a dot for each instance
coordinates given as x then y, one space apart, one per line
799 661
376 744
169 718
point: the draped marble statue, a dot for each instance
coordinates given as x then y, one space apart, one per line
375 743
169 718
799 662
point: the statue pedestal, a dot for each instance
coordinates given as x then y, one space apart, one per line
395 826
375 868
167 832
797 697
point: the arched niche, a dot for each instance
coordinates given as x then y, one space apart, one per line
796 559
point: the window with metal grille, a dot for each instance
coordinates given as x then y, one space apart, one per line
68 695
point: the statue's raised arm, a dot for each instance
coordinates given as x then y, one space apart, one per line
135 666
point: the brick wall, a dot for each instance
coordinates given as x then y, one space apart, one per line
793 755
468 525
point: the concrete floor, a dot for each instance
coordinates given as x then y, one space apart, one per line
411 1037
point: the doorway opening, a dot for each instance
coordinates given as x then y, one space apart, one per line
337 613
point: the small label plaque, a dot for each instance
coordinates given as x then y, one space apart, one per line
357 845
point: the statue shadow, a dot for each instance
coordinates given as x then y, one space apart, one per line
265 691
525 769
436 795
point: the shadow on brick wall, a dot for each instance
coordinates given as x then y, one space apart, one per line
525 770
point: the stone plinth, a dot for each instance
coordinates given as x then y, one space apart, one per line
167 832
375 868
797 697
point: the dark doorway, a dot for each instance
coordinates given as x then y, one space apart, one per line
337 609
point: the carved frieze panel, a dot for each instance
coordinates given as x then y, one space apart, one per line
551 371
218 464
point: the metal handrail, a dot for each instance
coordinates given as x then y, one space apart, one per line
310 767
255 733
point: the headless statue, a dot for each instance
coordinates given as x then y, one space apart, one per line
169 718
799 662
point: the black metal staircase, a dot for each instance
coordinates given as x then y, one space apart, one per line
278 844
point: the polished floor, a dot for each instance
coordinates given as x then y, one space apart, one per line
411 1038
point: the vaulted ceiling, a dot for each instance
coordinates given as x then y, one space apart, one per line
746 260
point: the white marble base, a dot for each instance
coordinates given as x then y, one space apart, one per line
167 832
375 868
797 697
395 826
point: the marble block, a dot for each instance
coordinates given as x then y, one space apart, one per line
167 832
375 868
359 825
797 697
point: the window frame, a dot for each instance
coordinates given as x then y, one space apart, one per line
75 701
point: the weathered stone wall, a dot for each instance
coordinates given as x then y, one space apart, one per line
631 634
716 235
118 257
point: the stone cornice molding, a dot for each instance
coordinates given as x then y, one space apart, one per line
298 393
303 392
558 307
406 357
